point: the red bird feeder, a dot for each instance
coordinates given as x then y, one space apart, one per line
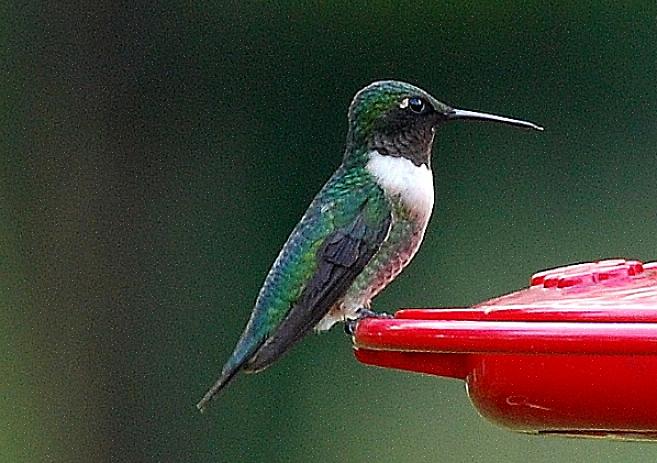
575 353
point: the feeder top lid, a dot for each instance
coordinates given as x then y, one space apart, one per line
606 307
608 290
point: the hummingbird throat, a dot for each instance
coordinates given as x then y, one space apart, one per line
414 145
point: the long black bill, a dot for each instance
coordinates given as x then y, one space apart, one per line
477 116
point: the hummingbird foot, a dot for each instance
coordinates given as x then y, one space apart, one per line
367 313
350 323
350 326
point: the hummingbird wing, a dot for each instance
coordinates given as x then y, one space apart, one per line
340 259
342 229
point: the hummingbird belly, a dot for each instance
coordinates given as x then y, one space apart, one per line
404 239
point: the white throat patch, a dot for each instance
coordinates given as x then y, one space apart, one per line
400 177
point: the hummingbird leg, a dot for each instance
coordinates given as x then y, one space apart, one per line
350 323
350 326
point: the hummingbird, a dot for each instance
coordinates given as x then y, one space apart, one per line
359 232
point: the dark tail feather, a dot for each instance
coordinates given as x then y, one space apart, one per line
243 352
225 378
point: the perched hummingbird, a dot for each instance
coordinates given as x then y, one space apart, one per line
361 230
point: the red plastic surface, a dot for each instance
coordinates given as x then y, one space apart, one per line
574 353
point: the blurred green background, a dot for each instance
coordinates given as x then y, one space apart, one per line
154 159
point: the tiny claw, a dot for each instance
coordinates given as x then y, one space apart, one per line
351 323
350 326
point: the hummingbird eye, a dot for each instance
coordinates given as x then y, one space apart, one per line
416 104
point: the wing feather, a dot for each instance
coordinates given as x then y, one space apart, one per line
343 255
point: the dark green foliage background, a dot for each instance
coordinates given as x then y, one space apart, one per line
155 157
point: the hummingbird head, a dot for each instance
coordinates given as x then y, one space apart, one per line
399 119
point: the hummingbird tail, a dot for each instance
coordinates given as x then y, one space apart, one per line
223 380
243 352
